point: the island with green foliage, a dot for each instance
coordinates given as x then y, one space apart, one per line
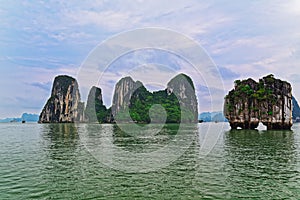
95 110
268 101
132 102
178 102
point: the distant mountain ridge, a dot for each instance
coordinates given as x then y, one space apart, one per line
296 110
25 116
212 117
30 117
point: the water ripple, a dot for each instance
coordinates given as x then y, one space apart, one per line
49 161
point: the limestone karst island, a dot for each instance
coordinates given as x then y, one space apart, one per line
268 101
131 103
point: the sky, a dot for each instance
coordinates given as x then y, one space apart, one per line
42 39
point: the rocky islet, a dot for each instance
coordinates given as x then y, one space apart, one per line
268 101
64 104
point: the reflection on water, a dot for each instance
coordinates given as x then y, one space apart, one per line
260 163
139 150
150 139
61 136
61 145
84 174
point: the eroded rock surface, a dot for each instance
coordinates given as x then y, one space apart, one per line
178 100
95 111
268 101
64 104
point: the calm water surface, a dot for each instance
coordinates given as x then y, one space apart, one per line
50 161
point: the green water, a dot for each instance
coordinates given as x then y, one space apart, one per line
51 161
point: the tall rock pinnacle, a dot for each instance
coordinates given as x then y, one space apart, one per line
64 104
182 86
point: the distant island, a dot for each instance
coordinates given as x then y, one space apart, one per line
296 110
212 117
132 102
268 101
25 117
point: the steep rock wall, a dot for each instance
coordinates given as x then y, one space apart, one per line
269 101
122 94
64 104
178 99
95 111
183 87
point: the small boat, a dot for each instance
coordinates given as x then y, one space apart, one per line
23 121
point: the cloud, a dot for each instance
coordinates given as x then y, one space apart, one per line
40 40
294 78
228 74
36 62
44 86
110 20
75 36
209 98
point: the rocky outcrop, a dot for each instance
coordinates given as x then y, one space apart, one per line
64 104
131 103
95 111
122 95
269 101
182 86
178 100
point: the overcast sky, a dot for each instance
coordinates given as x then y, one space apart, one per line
41 39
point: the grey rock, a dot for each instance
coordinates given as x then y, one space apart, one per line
182 86
122 94
269 101
64 105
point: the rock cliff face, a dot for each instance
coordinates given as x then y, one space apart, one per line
64 104
131 102
95 111
182 86
178 100
269 101
122 95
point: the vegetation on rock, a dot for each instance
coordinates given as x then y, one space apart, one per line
142 100
131 102
95 111
268 101
178 102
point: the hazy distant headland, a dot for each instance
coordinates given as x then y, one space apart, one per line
25 117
